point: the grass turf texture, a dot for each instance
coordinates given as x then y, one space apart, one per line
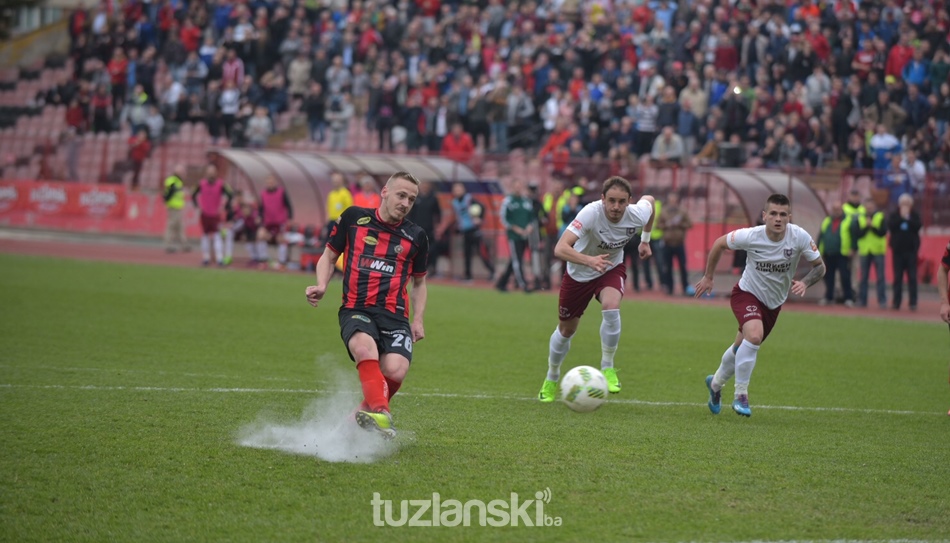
87 456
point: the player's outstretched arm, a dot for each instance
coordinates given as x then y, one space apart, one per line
417 299
813 276
942 288
324 273
705 285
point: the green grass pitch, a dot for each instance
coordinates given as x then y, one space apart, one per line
124 391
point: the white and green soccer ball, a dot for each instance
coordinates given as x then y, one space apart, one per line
583 389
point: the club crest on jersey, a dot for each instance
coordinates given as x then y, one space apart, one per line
788 253
631 231
370 240
372 263
398 249
363 220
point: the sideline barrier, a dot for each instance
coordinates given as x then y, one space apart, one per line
85 207
113 209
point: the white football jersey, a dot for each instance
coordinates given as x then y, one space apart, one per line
596 235
770 265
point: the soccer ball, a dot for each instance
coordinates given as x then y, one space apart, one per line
583 389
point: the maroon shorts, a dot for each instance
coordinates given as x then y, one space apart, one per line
575 295
746 307
210 223
273 231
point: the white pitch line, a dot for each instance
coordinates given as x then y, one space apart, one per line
847 541
148 371
446 395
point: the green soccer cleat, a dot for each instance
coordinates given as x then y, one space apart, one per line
613 383
548 391
381 422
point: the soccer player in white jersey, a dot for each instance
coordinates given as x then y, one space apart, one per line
773 250
592 245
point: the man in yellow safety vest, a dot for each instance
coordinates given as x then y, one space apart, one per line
174 196
872 246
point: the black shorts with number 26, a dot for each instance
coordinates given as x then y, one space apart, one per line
391 333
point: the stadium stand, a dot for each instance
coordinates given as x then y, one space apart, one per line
577 85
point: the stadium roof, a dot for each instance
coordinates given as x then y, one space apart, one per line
306 175
753 188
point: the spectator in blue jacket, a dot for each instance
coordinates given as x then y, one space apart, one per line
916 72
916 105
883 147
896 181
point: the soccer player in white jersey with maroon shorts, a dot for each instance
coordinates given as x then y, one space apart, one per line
592 245
773 250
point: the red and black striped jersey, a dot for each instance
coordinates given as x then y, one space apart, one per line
379 259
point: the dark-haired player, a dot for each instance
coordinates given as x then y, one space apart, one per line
593 246
773 251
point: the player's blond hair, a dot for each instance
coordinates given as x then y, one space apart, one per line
403 175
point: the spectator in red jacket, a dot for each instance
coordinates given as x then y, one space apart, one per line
819 43
898 57
458 145
139 148
76 116
118 69
190 36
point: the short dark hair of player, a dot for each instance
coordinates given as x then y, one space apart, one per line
403 175
617 181
779 200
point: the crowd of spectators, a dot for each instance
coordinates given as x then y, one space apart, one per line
789 83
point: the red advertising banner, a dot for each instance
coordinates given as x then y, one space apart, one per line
100 200
46 198
9 196
62 199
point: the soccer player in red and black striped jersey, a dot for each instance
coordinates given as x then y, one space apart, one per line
383 253
942 287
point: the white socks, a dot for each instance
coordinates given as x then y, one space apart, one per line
228 243
207 241
745 362
609 337
262 251
218 249
205 248
727 368
558 351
